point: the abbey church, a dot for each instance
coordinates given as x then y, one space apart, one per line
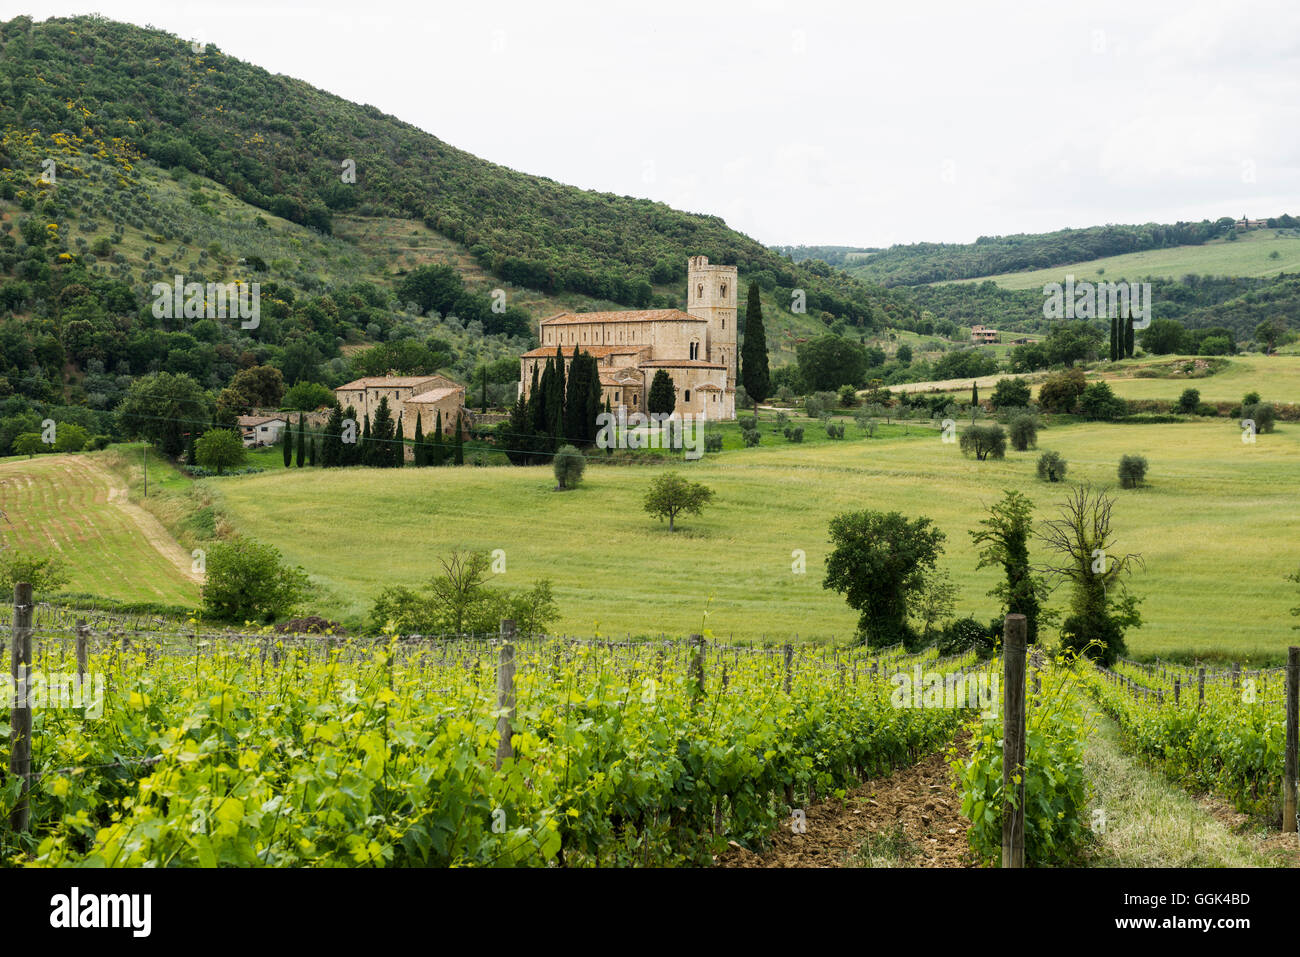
697 348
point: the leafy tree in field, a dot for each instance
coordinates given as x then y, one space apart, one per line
933 602
754 372
1099 403
248 581
260 386
663 394
1189 401
828 362
1132 471
1060 391
1081 548
1261 413
1268 332
984 441
1165 336
1010 393
219 449
1003 542
44 573
160 407
1051 467
1024 432
569 464
879 561
671 495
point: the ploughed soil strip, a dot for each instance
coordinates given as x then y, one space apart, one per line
912 818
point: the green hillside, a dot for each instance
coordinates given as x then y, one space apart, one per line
286 147
1257 253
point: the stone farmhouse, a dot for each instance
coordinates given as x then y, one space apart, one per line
409 398
697 348
261 429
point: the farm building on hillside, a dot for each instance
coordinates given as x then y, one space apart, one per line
983 335
261 429
697 348
409 398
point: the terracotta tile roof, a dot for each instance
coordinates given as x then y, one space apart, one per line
621 315
389 382
434 395
600 352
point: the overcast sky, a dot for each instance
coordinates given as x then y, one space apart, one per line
803 121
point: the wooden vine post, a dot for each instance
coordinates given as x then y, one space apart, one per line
505 692
1292 739
83 639
697 669
1013 739
789 653
20 715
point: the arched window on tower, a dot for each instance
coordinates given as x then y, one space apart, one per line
724 290
699 291
695 349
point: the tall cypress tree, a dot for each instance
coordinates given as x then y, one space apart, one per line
1114 338
594 392
555 408
302 439
575 401
975 393
1128 338
286 442
311 450
366 450
460 442
382 434
437 457
420 458
330 452
541 399
754 372
349 452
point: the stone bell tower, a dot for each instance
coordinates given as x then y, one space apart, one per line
711 295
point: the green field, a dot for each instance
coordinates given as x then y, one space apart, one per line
1275 378
1217 527
1248 256
69 506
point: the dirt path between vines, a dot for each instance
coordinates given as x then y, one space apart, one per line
911 818
149 527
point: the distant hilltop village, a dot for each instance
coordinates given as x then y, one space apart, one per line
697 348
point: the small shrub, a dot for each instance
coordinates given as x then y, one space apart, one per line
1262 414
1132 471
1051 467
813 406
848 396
713 442
747 422
1189 401
795 433
834 430
751 437
569 465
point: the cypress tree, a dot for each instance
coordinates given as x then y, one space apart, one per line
331 453
663 394
754 371
399 445
381 435
555 402
302 439
437 457
1128 337
590 428
1114 338
349 452
541 399
365 451
974 394
460 442
420 459
518 438
286 442
575 402
311 450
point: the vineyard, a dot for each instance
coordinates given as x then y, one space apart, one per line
176 746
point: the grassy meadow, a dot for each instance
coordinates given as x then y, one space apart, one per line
67 505
1217 527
